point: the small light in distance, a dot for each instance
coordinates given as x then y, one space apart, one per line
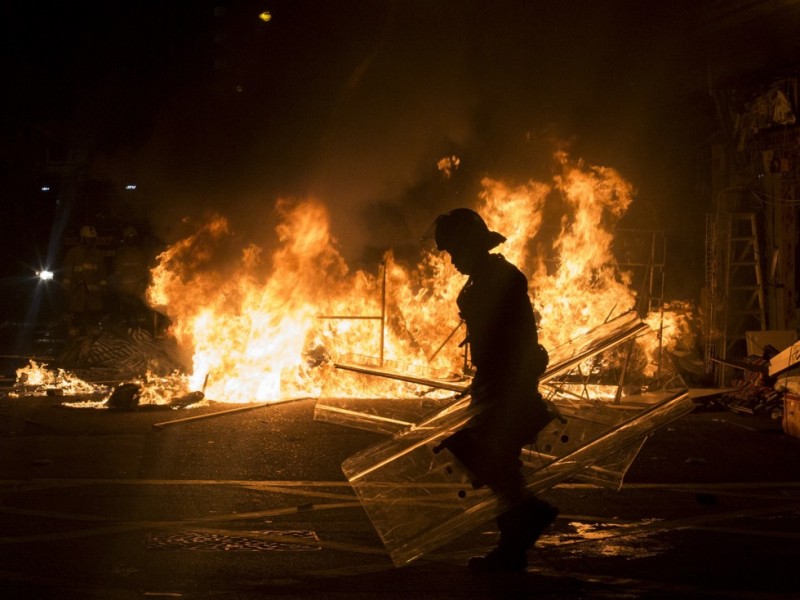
130 186
265 16
45 275
45 188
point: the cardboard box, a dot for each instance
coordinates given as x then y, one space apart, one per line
791 414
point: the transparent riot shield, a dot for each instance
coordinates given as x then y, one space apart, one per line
611 393
389 415
379 415
566 393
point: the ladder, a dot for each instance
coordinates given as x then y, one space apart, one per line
744 298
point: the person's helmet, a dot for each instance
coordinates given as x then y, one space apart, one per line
463 228
88 232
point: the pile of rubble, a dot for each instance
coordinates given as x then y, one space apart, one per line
769 385
754 391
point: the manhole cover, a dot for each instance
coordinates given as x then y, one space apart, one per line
251 541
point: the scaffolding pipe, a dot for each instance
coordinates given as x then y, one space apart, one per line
383 309
447 339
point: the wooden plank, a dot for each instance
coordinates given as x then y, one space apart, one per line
785 360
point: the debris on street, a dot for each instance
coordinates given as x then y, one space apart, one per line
754 391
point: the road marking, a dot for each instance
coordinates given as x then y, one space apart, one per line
127 526
298 483
290 539
348 501
147 482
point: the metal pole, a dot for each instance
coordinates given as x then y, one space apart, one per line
220 413
652 273
383 309
350 317
447 339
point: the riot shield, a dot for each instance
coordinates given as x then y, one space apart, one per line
610 394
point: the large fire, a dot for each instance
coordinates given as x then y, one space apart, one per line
267 328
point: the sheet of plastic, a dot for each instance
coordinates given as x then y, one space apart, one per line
379 415
570 394
611 394
419 499
391 415
362 413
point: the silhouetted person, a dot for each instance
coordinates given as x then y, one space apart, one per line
129 278
508 360
84 283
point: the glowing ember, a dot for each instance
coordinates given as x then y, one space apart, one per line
265 328
448 164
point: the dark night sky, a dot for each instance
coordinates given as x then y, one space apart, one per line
354 101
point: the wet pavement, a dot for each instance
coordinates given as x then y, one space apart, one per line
99 504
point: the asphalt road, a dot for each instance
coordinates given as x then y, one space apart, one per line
98 504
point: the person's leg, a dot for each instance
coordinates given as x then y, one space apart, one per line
520 528
520 525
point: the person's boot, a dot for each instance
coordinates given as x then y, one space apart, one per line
502 559
520 528
538 515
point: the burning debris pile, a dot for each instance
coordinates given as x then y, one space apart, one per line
147 390
36 379
112 368
262 328
266 327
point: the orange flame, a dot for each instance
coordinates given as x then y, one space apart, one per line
266 330
35 379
